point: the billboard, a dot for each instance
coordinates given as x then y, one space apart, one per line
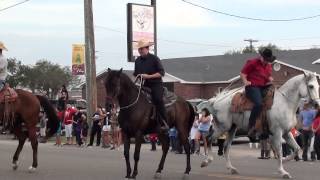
78 59
141 26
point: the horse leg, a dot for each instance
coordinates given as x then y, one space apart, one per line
288 137
126 152
164 139
34 145
227 145
22 139
137 154
184 140
277 145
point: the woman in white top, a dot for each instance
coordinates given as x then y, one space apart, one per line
3 66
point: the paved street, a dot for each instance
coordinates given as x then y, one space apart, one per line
73 163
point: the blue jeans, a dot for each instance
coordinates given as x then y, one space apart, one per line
255 94
2 83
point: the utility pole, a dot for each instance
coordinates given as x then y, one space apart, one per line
91 86
251 41
154 4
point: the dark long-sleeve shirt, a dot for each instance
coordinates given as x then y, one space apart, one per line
150 64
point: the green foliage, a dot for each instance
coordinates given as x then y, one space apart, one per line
247 49
44 76
273 47
13 69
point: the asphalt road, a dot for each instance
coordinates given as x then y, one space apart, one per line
73 163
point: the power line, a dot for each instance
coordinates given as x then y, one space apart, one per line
14 5
209 44
290 39
165 40
251 18
109 29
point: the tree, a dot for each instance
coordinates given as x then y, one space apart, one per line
13 69
51 77
44 76
247 49
273 47
233 52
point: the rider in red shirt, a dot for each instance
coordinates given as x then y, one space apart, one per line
256 75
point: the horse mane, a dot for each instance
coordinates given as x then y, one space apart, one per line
290 81
223 94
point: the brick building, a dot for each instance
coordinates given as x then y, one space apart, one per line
203 77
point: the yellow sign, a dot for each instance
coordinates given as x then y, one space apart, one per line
78 59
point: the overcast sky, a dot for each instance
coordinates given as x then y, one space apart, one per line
46 29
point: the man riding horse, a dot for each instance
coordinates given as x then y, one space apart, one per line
3 66
149 67
256 75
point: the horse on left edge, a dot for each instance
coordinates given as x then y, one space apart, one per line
21 115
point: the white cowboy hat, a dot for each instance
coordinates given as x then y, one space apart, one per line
2 46
144 43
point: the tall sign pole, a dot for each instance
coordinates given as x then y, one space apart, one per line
91 86
154 4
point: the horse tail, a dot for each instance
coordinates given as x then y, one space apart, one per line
192 116
53 120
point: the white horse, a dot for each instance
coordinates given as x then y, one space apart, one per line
281 117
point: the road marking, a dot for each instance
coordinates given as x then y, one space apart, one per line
238 177
233 177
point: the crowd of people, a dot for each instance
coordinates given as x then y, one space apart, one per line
73 124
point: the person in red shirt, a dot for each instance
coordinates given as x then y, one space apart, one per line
68 121
256 76
316 130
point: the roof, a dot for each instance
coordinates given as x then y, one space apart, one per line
167 77
225 68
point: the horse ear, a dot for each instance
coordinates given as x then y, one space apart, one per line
109 69
119 72
307 75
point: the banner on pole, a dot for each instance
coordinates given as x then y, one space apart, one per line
78 59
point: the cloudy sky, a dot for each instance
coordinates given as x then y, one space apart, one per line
46 29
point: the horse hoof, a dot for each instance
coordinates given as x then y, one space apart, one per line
210 159
286 176
185 176
234 171
15 166
204 163
157 176
32 169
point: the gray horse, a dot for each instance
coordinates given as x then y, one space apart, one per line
281 117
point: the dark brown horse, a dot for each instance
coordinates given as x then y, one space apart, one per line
26 116
135 119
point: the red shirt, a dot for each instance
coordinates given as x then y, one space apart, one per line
316 125
294 132
60 115
257 72
68 116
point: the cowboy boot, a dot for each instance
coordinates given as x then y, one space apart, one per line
262 153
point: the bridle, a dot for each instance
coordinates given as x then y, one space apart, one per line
139 77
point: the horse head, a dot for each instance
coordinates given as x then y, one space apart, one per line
310 89
112 83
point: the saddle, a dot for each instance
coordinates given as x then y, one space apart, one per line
7 98
8 95
168 97
240 103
